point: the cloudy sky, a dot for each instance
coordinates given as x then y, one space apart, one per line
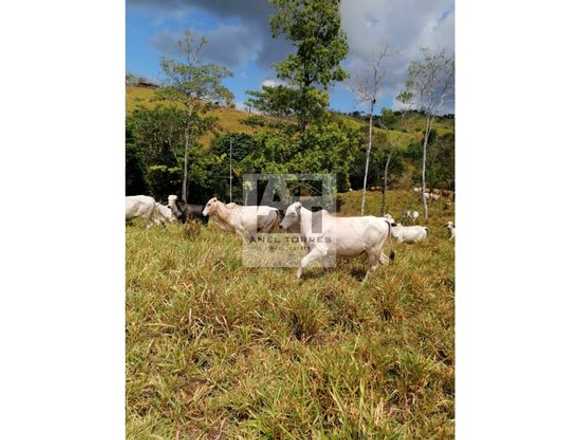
239 37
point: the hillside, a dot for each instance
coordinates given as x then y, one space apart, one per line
405 131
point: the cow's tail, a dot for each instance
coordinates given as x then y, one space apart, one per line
392 253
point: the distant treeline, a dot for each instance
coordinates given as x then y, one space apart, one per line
154 151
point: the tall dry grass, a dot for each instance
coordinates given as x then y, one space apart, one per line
218 350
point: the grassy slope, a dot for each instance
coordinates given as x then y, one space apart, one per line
214 347
231 120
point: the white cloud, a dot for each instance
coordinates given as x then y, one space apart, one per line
272 82
405 25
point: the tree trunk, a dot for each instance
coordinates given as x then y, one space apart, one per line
186 156
383 205
423 174
184 183
362 206
230 170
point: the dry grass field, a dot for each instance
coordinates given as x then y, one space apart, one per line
216 350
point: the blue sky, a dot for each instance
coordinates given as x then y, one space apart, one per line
239 37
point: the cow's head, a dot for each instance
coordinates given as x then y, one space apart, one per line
292 216
173 203
210 206
389 218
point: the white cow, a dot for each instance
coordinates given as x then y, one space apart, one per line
451 229
412 215
166 214
171 202
143 207
329 236
408 234
417 189
246 221
431 196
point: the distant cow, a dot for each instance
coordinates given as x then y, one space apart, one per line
447 193
431 196
451 229
143 207
412 216
166 213
408 234
185 211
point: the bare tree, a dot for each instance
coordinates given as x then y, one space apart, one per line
195 86
429 89
385 175
367 85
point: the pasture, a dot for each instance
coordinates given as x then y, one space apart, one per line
216 350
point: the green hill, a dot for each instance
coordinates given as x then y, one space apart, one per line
406 130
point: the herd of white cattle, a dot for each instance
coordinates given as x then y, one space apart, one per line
322 234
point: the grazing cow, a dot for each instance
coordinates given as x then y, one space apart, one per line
412 216
166 213
431 196
451 229
408 234
246 221
417 189
328 236
143 207
185 211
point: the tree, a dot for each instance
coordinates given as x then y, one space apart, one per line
195 86
385 181
135 182
388 118
157 135
366 85
287 102
313 26
429 89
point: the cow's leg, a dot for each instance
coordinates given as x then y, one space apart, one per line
149 220
316 253
374 259
242 234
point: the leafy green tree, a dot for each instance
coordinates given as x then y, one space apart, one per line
134 167
198 88
313 26
285 102
158 138
388 118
